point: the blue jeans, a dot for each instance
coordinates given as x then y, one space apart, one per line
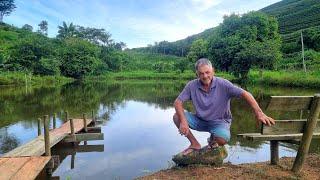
218 128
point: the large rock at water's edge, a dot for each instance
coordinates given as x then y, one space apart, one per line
205 156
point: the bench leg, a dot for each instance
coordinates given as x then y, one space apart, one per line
274 149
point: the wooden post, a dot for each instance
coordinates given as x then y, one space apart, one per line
85 123
307 134
274 149
72 160
39 126
66 116
54 120
46 136
92 116
71 127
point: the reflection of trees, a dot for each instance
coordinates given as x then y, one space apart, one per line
7 141
78 98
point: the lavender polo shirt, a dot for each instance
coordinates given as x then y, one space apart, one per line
215 104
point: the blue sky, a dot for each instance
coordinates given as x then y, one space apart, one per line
135 22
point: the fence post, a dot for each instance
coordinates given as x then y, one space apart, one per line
46 136
85 123
39 126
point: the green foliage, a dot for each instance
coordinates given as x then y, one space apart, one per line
27 27
113 59
294 15
245 41
6 7
199 49
66 31
162 67
43 28
25 54
182 65
78 58
48 66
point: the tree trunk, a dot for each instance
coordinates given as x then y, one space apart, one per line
1 17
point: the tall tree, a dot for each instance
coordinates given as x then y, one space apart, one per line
27 27
245 41
43 27
66 31
6 7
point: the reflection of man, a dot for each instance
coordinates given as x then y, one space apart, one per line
210 97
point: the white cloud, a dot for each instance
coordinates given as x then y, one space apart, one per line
203 5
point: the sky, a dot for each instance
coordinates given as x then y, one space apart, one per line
134 22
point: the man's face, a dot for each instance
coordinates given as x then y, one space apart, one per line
205 74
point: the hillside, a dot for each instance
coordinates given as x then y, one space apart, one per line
292 16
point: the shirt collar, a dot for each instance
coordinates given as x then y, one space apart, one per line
213 83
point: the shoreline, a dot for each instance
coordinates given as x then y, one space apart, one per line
259 170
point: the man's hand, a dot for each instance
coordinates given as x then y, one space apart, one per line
265 119
184 129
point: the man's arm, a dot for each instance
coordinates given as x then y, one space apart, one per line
260 116
184 127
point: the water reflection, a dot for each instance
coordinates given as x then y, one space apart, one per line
139 134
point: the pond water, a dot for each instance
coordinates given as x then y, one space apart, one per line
139 135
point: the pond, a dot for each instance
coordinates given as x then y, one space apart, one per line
139 135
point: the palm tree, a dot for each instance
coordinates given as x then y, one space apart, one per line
66 31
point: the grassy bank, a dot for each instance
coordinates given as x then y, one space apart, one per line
150 75
19 78
286 78
279 78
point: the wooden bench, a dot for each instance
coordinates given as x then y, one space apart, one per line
298 131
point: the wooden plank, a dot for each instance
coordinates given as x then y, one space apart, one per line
80 149
289 103
32 168
10 167
262 137
84 137
94 129
35 147
287 127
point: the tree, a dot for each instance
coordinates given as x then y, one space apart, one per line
96 36
78 58
27 27
66 31
245 41
6 7
25 54
119 46
43 28
199 49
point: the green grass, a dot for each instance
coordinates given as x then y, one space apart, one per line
19 78
286 78
150 75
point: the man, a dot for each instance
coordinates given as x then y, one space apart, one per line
211 97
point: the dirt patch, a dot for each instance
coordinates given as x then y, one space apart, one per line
263 170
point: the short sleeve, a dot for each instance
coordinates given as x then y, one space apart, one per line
233 90
186 93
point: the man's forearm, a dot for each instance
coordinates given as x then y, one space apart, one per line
178 105
252 102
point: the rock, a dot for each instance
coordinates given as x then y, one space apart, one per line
205 156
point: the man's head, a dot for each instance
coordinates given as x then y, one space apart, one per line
204 70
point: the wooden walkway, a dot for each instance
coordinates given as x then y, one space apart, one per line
21 168
36 146
27 162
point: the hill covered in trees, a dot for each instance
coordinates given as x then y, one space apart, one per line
292 16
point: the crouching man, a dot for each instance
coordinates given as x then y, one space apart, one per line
210 97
